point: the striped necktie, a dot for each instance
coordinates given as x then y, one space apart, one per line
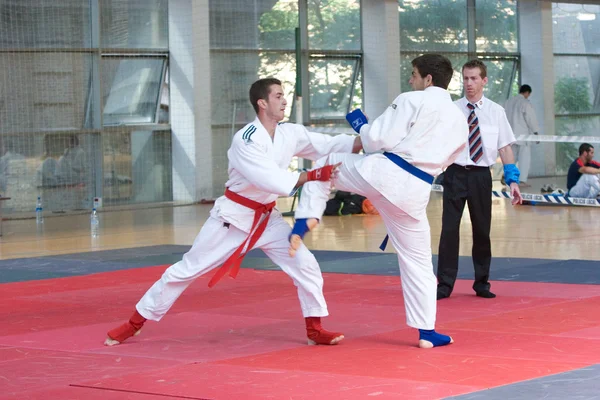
475 142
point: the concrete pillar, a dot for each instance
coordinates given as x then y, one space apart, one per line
381 44
537 70
190 102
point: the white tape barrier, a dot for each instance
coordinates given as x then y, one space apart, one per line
535 198
521 138
540 198
558 139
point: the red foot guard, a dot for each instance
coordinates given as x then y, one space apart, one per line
125 331
317 335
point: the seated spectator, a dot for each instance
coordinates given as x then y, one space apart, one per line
69 169
46 173
582 178
13 169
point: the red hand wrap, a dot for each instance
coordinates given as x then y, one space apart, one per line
320 174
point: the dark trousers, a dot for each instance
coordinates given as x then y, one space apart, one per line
472 185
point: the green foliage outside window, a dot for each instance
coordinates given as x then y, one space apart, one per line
571 95
441 26
278 25
333 25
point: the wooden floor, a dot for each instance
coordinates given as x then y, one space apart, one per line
552 232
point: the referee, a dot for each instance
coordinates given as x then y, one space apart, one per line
469 181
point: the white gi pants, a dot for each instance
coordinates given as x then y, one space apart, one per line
410 236
214 244
588 186
522 154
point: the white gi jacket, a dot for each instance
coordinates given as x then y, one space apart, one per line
521 116
426 129
258 166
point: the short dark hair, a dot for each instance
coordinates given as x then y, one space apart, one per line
261 89
525 89
585 147
476 64
436 65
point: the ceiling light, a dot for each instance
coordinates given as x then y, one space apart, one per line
586 16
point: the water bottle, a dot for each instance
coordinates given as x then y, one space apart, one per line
39 215
94 223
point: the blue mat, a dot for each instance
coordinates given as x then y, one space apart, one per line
553 387
368 263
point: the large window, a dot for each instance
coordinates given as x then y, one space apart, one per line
439 26
137 165
576 29
72 69
38 24
261 45
43 90
463 30
131 88
332 87
264 43
334 42
496 26
252 40
134 24
334 25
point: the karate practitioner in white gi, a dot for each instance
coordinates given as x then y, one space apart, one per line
245 217
522 119
415 139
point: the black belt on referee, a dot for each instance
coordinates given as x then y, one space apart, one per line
470 167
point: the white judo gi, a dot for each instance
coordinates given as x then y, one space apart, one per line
258 170
427 130
522 119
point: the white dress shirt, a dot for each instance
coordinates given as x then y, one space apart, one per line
496 132
521 116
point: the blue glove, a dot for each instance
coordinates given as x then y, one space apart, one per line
356 119
511 174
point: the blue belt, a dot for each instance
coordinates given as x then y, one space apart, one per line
411 169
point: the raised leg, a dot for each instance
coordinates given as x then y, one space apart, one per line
315 194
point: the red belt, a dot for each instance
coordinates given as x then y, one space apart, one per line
232 264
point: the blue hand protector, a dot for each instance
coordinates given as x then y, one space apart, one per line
511 174
356 119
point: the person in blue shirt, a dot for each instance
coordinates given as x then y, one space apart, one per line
582 178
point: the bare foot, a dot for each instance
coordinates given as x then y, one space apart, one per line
296 240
